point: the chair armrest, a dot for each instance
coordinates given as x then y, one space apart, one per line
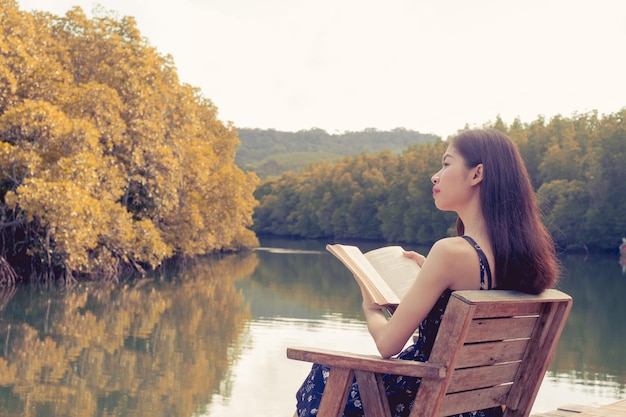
368 363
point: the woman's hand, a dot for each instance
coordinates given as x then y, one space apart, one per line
415 256
368 303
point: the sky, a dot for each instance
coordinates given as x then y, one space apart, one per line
433 66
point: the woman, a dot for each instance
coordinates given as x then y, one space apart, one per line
501 243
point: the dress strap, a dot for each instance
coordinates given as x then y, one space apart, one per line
483 262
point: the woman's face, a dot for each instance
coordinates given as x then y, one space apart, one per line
452 184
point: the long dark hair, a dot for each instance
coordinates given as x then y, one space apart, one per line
523 249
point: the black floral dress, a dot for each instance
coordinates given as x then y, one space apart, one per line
401 390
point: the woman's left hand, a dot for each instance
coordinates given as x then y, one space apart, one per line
417 257
367 303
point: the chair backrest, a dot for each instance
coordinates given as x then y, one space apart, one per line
496 346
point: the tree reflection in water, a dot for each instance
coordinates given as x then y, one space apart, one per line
154 347
207 341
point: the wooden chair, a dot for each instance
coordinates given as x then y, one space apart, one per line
492 349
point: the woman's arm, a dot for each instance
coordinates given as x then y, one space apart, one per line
446 266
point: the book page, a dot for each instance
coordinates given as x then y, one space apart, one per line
362 269
397 270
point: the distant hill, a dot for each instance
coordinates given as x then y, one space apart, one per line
271 152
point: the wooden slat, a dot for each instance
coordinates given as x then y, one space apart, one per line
576 408
456 322
617 409
336 392
372 391
507 309
484 330
482 377
556 413
473 400
366 362
509 303
490 353
513 297
545 338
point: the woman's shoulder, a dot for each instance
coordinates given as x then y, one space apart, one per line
451 246
458 258
454 252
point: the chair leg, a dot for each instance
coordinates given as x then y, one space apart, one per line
373 395
336 392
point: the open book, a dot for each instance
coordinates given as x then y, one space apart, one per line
385 273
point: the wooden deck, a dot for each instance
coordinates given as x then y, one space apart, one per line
617 409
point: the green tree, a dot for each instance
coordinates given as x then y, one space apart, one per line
567 203
368 196
563 157
605 223
576 165
424 223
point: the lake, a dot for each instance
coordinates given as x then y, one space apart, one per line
209 339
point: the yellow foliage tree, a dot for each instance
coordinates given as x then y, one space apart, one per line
106 159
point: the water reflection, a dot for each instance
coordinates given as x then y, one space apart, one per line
590 359
265 381
589 365
210 340
150 348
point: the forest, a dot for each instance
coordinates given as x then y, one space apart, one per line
576 164
269 152
108 163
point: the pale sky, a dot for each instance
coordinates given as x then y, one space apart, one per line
346 65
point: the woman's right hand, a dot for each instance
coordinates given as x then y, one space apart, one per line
419 258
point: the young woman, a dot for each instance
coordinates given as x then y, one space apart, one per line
501 243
